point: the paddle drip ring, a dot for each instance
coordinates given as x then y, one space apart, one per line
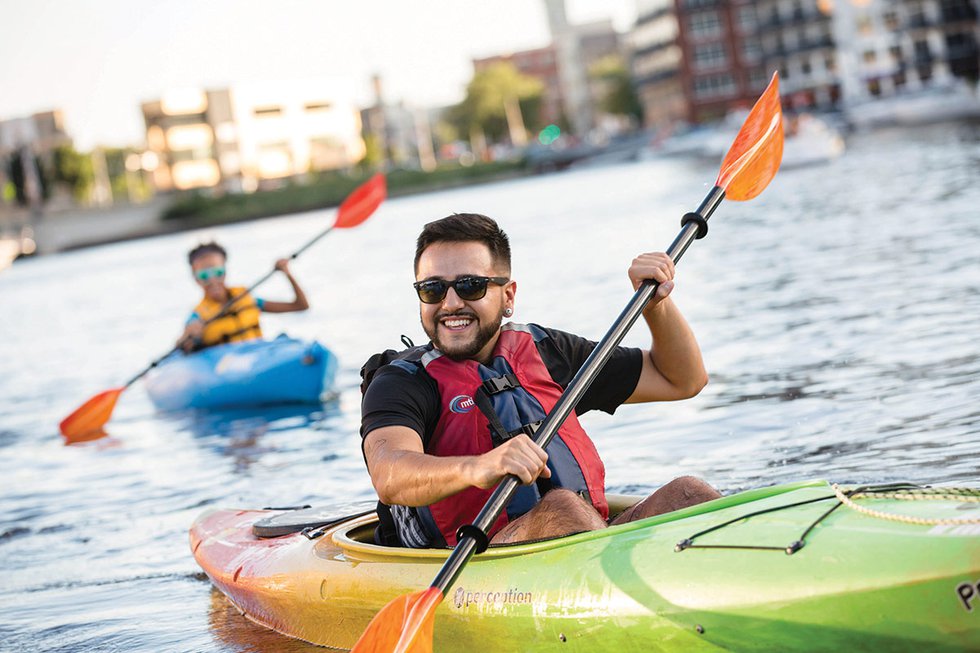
906 495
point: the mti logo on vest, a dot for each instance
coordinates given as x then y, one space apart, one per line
461 404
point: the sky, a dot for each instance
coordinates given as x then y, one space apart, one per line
97 60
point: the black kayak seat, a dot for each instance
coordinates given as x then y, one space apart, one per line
296 519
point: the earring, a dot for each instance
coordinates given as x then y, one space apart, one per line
508 311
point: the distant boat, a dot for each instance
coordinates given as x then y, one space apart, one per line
9 250
14 246
931 105
809 140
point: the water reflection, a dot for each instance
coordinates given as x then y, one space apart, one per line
238 434
239 635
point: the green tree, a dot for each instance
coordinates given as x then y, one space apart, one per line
619 96
374 155
486 100
74 169
19 176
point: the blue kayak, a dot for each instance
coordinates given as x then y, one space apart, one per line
251 373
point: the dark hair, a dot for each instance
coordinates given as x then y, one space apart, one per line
465 227
206 248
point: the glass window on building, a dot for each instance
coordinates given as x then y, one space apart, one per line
711 55
916 13
751 50
759 77
746 17
956 10
317 106
864 24
922 52
713 86
705 23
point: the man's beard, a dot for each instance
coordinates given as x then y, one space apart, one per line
465 351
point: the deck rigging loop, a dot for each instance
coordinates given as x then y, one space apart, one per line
899 491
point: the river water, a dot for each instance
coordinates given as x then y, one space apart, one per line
838 313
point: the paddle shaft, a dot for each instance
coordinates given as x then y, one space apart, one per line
504 492
230 302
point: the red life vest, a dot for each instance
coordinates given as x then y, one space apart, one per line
522 392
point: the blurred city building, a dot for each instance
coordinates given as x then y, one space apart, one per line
570 95
251 135
694 60
889 48
28 145
43 132
540 63
401 136
656 63
722 67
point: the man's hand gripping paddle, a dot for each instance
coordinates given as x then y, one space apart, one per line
94 413
406 624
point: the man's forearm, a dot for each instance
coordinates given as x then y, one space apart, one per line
408 478
300 301
674 349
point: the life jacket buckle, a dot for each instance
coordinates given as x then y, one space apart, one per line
499 384
528 429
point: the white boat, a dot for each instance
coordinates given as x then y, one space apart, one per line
9 250
932 105
808 140
13 246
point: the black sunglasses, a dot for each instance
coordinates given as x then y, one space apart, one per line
468 288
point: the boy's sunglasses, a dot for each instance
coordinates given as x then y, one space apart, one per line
468 289
210 273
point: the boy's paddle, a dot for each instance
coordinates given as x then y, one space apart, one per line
406 624
354 210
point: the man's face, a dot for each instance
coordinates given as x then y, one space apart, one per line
209 265
458 328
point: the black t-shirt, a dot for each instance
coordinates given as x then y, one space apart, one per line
399 397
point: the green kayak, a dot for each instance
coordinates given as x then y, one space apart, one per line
798 567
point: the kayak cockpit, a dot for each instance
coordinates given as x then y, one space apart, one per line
356 537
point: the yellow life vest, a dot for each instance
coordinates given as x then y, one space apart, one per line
239 322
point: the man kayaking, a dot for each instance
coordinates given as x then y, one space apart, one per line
240 321
443 424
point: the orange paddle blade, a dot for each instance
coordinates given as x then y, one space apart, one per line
754 157
361 203
403 626
91 415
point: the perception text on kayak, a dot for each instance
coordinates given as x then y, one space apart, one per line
463 598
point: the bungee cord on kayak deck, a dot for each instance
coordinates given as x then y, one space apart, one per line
896 491
966 495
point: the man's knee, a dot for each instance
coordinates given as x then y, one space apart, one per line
691 488
571 509
563 500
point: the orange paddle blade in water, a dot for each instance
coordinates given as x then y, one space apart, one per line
754 157
403 626
92 415
362 202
